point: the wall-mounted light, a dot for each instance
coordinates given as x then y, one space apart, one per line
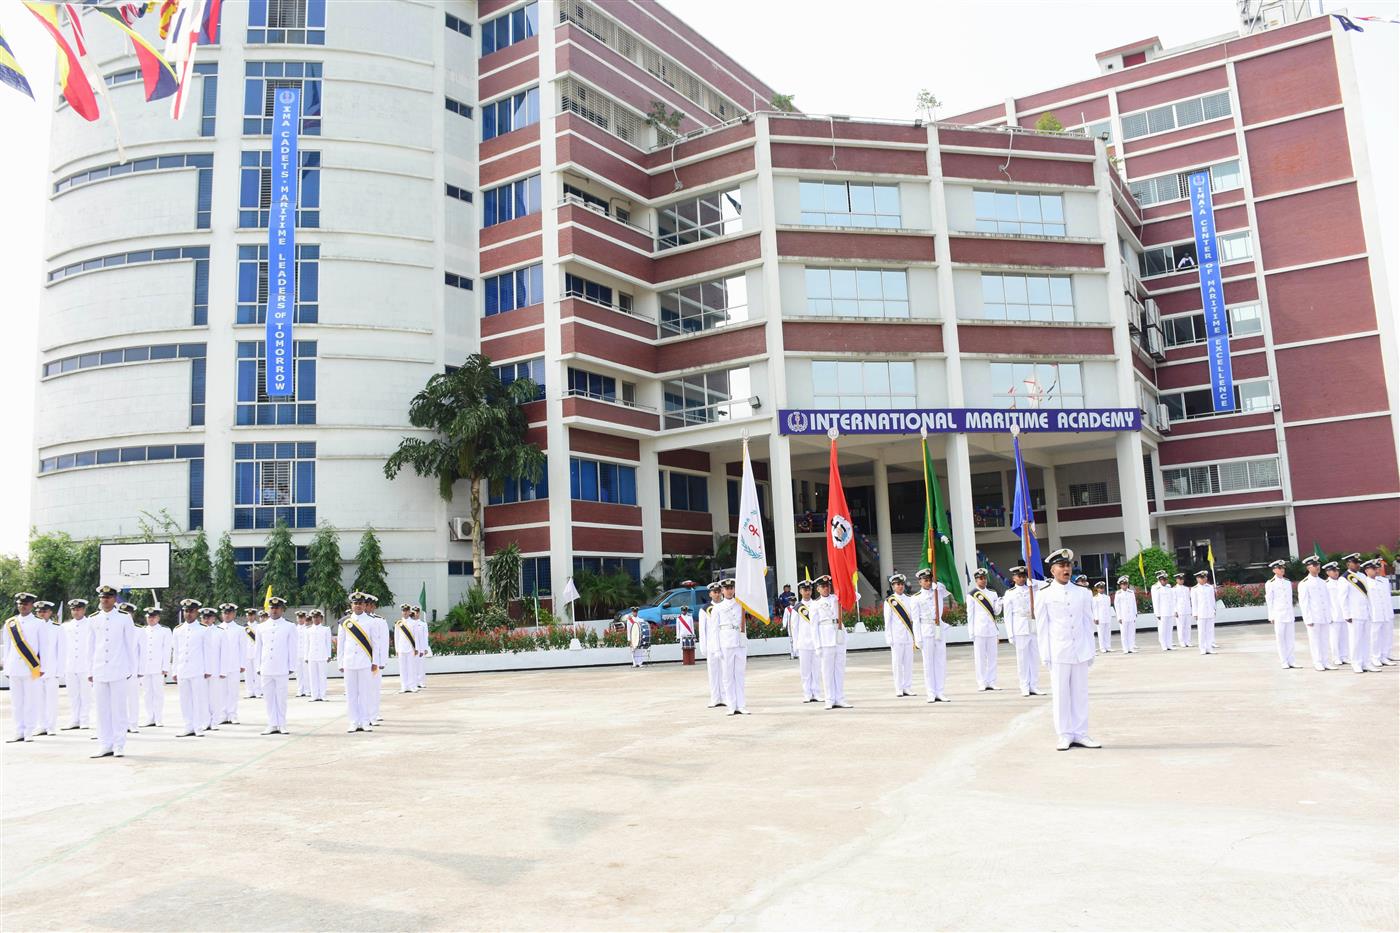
754 402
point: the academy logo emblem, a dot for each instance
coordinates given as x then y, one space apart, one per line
286 96
752 538
841 531
796 422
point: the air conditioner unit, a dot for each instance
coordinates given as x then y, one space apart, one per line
459 529
1164 419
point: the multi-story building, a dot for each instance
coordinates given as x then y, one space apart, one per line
606 203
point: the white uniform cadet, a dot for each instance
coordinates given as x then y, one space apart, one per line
77 664
356 658
831 638
112 651
425 648
982 608
52 651
1340 641
133 686
802 628
195 668
1278 605
224 702
1356 610
710 650
1103 617
1163 610
1382 615
24 667
380 626
251 680
734 643
157 653
1315 604
1125 610
318 655
406 648
899 635
1203 610
1181 611
277 660
1065 627
303 678
1020 631
929 604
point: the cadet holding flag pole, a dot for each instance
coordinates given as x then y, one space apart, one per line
750 591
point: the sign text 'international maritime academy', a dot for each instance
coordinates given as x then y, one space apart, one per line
956 420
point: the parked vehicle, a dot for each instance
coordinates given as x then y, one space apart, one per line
664 609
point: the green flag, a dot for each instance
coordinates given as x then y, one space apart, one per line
423 598
938 540
1317 551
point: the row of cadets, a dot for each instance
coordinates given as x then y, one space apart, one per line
1342 615
362 650
411 646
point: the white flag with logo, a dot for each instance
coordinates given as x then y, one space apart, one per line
751 562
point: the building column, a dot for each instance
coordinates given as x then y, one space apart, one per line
1052 507
784 556
1132 492
649 498
960 504
719 496
884 540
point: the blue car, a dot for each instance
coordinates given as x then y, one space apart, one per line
664 609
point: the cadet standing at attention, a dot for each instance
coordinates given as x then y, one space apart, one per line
76 666
733 642
1278 606
303 622
1315 603
157 654
1203 609
1064 621
112 649
1382 615
899 635
982 608
832 636
51 652
1016 612
1103 617
380 626
318 654
133 686
425 649
193 666
928 612
710 649
1356 611
803 629
233 659
406 647
355 656
1182 610
1125 609
250 656
277 648
1163 609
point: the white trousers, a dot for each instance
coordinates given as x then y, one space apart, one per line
1380 641
375 695
984 657
1127 634
253 681
316 674
714 666
1071 701
639 657
408 672
110 698
1205 634
26 702
133 701
1359 635
48 718
736 661
935 652
1284 636
421 672
1341 642
1183 631
902 666
194 702
153 689
79 699
1319 644
810 669
1164 632
1027 662
303 682
834 673
1105 632
358 684
275 700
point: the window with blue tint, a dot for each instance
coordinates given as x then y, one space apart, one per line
195 160
197 386
599 481
513 490
524 369
576 286
510 113
193 453
461 194
1026 213
252 284
208 95
459 25
592 385
196 495
255 406
460 568
255 190
510 28
534 576
142 354
289 22
198 254
457 281
849 204
274 481
607 566
457 107
260 83
251 563
685 492
509 201
518 288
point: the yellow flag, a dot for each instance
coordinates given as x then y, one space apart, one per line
1210 554
267 599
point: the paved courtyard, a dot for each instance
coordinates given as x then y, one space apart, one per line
1229 794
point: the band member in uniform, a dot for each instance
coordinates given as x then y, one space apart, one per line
928 614
1163 609
831 634
157 655
277 660
112 648
710 649
1103 617
982 608
802 627
685 629
1315 604
733 641
194 668
899 635
1065 626
1278 606
76 665
356 657
1016 613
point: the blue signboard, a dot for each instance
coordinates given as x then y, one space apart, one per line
956 420
1222 383
281 242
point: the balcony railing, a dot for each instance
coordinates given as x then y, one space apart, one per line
628 310
610 399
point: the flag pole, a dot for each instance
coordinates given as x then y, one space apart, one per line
1025 523
932 531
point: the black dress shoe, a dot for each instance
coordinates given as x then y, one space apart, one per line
106 754
69 728
13 741
181 735
270 732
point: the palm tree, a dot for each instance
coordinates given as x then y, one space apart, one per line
479 426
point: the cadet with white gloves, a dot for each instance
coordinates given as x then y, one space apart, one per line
356 657
1315 603
1203 610
899 635
710 650
1163 609
157 655
733 641
1125 611
1065 626
982 608
831 635
1020 631
1278 605
928 611
113 651
802 627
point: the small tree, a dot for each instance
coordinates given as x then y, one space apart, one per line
926 104
226 585
323 587
49 570
1049 123
11 577
280 564
87 570
503 573
782 103
370 574
666 120
197 571
1153 560
479 427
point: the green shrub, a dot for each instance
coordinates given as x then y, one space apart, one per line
1235 595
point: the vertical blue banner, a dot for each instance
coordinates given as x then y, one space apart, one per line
281 241
1222 382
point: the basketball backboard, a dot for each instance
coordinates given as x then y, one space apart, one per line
144 566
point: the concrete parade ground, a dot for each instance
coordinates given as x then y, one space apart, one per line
1229 794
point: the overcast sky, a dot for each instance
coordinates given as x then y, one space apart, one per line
869 59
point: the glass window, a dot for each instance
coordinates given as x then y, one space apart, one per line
1025 213
293 22
684 492
1187 329
700 218
524 369
534 575
510 28
255 190
872 293
262 79
595 481
518 288
255 406
1172 116
252 284
272 482
513 490
1037 385
510 113
849 204
856 384
702 398
511 200
703 306
1213 478
1027 297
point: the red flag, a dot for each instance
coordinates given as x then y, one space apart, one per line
71 75
840 539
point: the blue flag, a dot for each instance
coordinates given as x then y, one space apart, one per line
1023 518
1347 24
